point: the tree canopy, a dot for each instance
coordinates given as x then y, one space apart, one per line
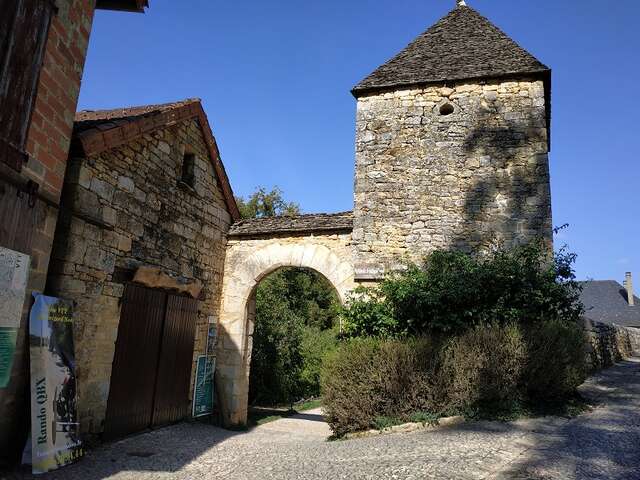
266 204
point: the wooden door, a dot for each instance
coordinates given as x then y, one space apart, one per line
19 217
152 361
176 360
135 362
24 26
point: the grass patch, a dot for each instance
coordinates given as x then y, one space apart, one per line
425 418
307 405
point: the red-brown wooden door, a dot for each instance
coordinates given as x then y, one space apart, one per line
152 362
176 357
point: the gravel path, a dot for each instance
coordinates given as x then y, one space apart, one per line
603 444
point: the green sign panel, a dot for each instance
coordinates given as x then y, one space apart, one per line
203 391
8 338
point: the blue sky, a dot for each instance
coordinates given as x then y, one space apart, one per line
275 80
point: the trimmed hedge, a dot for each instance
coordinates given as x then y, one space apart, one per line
490 367
369 378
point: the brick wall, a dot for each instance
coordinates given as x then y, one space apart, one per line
131 210
58 90
47 144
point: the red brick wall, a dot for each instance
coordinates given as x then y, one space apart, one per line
48 146
58 90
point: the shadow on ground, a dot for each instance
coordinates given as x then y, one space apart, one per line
164 450
604 444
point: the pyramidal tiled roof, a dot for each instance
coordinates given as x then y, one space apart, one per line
462 45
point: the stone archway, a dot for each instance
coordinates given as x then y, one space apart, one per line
247 262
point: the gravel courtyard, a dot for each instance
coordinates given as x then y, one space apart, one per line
602 444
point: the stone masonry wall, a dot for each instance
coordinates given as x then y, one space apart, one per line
425 180
47 145
607 344
130 209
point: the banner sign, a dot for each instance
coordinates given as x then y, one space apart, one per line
55 431
203 391
14 271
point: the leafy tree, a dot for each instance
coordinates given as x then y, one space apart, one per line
266 204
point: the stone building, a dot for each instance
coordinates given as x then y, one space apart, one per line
452 137
146 200
44 45
452 142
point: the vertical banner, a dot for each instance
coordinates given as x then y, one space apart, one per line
55 431
14 271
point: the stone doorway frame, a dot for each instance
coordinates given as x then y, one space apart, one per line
247 263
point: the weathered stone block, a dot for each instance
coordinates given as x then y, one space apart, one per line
103 189
126 184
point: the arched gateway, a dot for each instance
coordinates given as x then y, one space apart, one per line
255 249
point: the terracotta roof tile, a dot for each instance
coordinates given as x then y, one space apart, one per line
106 119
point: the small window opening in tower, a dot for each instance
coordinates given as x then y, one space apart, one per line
446 109
188 169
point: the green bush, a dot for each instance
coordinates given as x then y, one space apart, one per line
556 360
495 370
367 314
369 379
453 292
482 368
315 346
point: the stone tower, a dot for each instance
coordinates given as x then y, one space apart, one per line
451 146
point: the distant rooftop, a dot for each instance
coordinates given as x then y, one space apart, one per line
462 45
606 301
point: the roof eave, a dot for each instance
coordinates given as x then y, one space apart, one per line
135 6
361 91
293 232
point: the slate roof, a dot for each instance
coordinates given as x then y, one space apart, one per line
96 131
125 5
298 224
462 45
606 301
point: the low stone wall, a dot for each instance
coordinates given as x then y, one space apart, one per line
607 344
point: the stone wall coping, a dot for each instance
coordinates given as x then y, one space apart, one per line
299 224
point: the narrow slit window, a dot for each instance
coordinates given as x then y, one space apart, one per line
188 169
